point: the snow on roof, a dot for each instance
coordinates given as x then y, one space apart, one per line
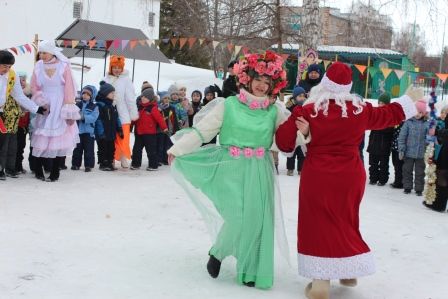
345 49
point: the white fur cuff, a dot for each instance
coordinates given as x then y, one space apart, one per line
336 268
335 87
407 105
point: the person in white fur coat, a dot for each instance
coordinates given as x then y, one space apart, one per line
126 106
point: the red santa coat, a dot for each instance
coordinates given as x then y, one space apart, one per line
332 183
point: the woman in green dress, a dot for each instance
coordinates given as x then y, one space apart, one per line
233 184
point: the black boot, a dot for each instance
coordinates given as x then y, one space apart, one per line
2 175
55 171
213 266
250 284
38 169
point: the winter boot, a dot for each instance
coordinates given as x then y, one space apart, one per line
213 266
318 289
348 282
2 175
250 284
290 172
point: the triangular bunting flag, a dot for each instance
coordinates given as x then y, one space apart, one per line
201 41
14 50
182 42
124 43
108 43
230 47
133 43
386 72
59 42
67 43
22 49
174 41
150 42
83 43
116 43
360 68
100 44
373 71
237 49
191 41
92 43
215 44
28 48
142 42
327 63
74 43
442 77
399 73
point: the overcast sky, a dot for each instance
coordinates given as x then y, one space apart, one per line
430 18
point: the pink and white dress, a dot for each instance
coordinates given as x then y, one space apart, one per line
53 87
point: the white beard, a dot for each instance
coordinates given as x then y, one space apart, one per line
320 97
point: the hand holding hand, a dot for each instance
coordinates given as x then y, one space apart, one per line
303 125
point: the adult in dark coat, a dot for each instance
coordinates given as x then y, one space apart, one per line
380 142
313 77
440 202
229 87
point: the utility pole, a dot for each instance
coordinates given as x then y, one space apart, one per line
443 48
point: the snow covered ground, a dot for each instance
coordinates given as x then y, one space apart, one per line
135 235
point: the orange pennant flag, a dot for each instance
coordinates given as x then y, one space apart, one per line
174 41
182 42
133 43
191 41
442 77
386 72
92 43
361 68
230 47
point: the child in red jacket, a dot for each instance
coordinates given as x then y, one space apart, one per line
146 129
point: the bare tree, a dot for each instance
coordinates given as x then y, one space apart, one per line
311 34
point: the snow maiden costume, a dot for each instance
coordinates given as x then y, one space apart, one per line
56 133
233 185
330 245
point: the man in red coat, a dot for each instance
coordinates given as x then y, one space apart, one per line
332 183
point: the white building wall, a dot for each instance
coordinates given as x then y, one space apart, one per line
20 20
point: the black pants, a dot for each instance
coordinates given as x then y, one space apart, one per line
8 151
21 143
163 145
54 162
86 145
441 198
149 142
47 163
291 161
106 151
398 168
379 168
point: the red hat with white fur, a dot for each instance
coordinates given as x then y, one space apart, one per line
338 78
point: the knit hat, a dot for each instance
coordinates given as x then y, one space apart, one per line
21 74
314 68
297 91
384 98
209 89
338 78
163 94
421 106
146 85
6 58
91 90
149 94
116 60
174 88
105 89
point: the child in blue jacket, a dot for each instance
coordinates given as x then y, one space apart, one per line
89 114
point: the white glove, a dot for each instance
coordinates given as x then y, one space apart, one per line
415 93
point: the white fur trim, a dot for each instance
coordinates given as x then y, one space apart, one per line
302 140
407 105
336 268
335 87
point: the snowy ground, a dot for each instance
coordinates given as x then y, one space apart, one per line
135 235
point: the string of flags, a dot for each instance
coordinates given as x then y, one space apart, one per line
181 42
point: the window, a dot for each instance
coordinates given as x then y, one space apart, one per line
77 9
151 17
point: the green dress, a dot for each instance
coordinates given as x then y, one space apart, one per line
241 188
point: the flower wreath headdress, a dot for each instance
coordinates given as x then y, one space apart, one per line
262 64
